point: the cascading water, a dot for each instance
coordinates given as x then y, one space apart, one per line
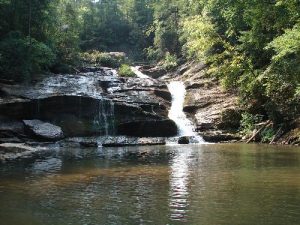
105 119
136 70
177 90
185 126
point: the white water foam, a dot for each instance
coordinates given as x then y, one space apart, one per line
136 70
176 113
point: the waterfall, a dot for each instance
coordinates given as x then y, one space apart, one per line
105 119
185 126
139 74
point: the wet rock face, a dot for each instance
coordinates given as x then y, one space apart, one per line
10 128
97 102
111 141
43 131
127 141
155 128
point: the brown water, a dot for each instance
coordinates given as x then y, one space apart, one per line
207 184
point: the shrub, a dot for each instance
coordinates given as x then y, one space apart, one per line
267 135
126 71
152 53
113 60
21 58
248 122
231 119
169 62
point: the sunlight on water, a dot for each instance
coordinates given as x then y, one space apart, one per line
192 184
179 181
185 126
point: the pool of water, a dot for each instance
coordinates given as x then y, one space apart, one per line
204 184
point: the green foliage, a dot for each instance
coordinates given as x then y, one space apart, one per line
165 28
244 45
107 60
251 46
230 119
199 37
248 122
97 58
126 71
117 25
169 62
287 44
152 53
21 58
267 135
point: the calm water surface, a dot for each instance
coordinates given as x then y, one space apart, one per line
201 185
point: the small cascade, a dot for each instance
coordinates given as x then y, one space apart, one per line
105 118
185 126
136 70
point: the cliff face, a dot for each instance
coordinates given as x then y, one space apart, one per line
91 103
214 110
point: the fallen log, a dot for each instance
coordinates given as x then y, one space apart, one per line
264 125
275 137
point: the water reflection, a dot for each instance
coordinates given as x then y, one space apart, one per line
179 184
50 165
208 184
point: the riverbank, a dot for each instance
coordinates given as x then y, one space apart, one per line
98 102
126 111
217 113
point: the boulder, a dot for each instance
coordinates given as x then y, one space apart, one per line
43 131
184 140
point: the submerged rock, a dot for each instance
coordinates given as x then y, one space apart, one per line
111 141
13 151
132 141
44 131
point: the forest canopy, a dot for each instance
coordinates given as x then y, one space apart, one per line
251 46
